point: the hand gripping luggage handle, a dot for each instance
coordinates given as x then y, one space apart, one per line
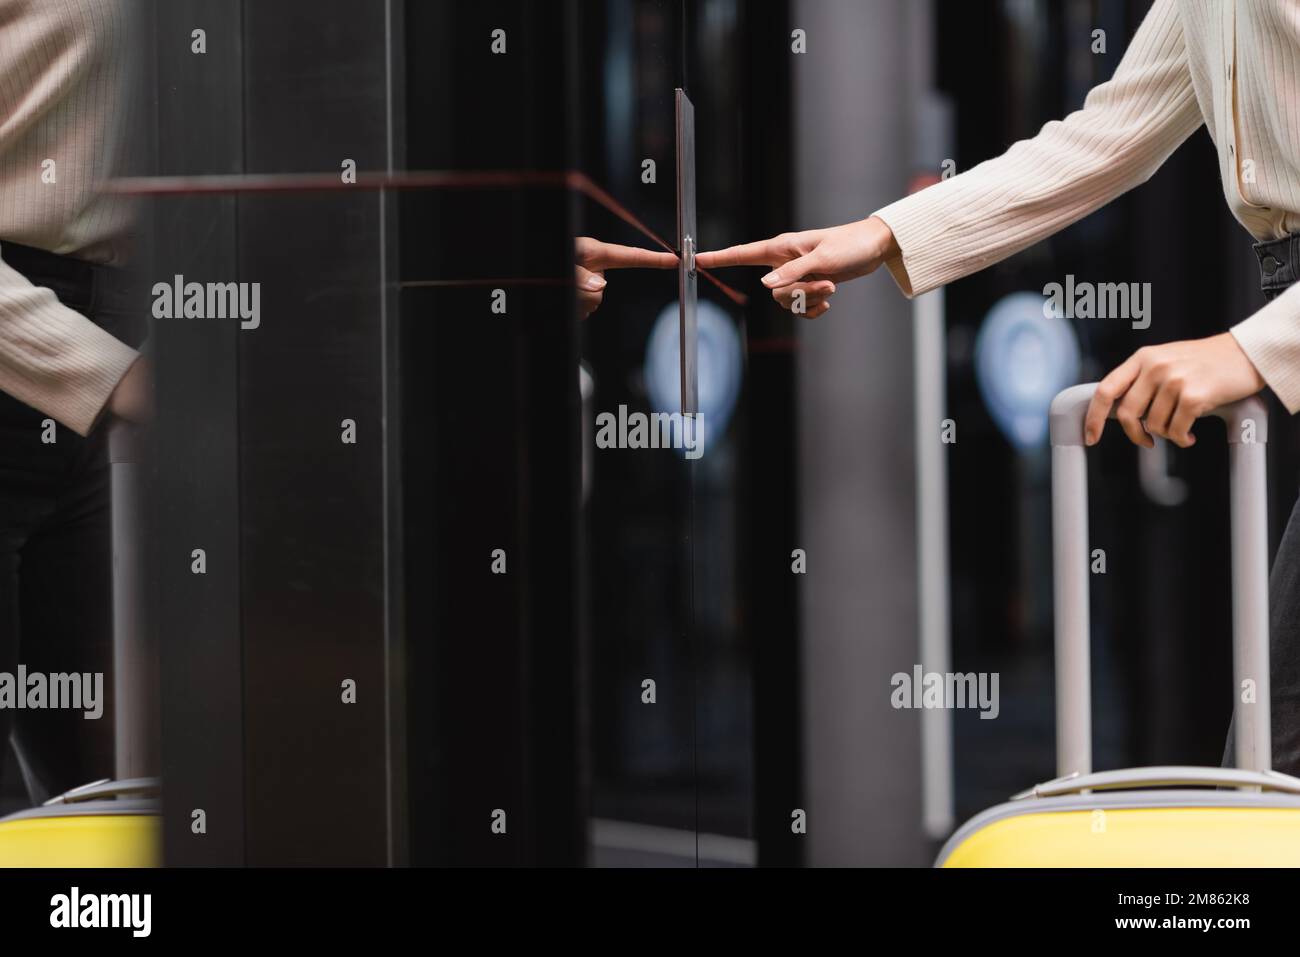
1247 423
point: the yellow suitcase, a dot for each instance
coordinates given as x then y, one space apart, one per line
1247 816
107 823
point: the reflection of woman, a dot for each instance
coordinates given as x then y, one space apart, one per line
1231 66
63 364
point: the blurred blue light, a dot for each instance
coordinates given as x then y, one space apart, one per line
719 372
1024 355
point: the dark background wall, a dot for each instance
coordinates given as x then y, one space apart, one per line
198 129
251 464
491 444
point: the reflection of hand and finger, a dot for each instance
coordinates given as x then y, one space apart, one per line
592 257
132 399
806 266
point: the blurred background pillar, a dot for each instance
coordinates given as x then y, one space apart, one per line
852 134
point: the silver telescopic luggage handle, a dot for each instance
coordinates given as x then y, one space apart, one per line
1247 423
130 692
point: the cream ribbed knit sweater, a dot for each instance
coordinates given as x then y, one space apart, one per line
63 88
1233 65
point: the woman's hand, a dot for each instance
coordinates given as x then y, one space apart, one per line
133 398
811 262
1167 388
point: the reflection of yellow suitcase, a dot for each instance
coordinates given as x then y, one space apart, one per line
1248 816
106 823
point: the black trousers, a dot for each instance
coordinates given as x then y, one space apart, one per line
55 546
1279 268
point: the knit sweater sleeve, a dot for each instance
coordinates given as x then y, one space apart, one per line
53 358
1271 340
1127 127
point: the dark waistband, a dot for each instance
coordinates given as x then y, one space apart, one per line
82 285
30 259
1279 263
